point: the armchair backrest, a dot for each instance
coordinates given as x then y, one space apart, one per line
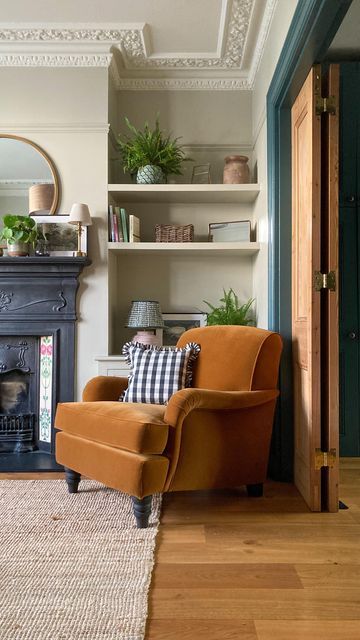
235 358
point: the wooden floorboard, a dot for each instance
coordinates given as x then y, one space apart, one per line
230 567
45 475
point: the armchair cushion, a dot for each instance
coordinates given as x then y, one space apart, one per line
139 428
158 372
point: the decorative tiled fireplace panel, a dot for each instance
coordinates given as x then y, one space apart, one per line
26 378
45 388
37 355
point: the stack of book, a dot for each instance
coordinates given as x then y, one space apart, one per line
122 226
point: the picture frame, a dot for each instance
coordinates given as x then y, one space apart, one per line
175 324
61 236
233 231
201 174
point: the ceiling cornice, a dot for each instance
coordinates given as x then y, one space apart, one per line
54 60
177 84
138 67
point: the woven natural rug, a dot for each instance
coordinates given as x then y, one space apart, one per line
72 566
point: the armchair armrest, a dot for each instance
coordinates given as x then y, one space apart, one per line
186 400
104 388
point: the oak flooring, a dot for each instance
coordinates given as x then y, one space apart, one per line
233 568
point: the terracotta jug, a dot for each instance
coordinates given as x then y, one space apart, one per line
236 170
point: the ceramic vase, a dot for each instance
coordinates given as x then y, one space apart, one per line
236 170
150 175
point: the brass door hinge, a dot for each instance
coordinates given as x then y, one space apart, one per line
324 280
325 105
325 458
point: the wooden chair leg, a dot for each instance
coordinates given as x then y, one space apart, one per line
72 480
142 510
255 490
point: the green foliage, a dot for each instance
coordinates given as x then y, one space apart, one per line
20 229
229 312
151 147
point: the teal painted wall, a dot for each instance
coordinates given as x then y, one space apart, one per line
349 259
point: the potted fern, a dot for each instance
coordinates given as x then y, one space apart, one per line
230 311
20 233
151 155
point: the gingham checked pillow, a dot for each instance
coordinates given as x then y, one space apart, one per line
158 372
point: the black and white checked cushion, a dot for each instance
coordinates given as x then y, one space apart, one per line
158 372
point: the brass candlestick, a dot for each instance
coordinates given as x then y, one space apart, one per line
79 253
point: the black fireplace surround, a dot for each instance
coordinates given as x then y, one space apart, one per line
37 355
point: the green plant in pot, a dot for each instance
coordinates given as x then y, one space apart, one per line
150 154
20 233
230 311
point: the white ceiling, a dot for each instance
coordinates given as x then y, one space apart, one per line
155 44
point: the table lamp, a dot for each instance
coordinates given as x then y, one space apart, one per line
145 316
80 215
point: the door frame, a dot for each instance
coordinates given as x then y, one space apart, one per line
312 29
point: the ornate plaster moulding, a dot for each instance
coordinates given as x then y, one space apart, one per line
133 40
91 45
181 84
234 25
54 60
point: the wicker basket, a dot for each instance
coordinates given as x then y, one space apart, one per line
174 233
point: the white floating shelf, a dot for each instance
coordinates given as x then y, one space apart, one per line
216 193
185 248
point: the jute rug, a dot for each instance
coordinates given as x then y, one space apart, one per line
72 566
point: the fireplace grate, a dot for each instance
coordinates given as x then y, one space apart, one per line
17 433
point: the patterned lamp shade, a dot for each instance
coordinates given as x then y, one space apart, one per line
145 314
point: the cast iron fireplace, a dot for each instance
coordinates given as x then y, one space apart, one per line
37 356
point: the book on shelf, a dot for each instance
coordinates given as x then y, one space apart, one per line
116 228
134 229
111 230
119 225
125 224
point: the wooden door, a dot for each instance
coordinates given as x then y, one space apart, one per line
313 314
330 298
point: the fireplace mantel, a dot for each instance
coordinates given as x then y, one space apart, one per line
39 287
38 300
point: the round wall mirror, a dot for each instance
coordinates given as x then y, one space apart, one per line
28 179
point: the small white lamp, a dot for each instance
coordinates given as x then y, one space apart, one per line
145 316
80 215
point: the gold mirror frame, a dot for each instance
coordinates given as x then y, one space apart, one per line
50 163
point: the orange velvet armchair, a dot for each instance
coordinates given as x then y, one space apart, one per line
213 435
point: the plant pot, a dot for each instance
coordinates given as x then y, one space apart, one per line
149 174
17 249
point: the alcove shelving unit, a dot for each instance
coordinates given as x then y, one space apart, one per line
179 275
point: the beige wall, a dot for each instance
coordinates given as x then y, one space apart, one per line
211 124
279 27
65 112
200 117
